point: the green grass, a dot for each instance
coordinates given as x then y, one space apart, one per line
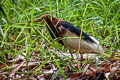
101 20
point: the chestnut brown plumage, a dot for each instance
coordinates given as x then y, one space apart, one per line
70 35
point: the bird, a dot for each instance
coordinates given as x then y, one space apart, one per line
69 36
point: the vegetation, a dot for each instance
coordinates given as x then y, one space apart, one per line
100 18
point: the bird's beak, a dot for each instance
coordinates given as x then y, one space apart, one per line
37 20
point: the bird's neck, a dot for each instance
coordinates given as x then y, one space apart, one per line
51 27
53 24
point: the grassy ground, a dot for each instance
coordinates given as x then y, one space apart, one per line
17 35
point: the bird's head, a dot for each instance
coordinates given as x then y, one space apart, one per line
51 20
52 23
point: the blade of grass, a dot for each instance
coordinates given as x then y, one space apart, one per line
60 68
43 63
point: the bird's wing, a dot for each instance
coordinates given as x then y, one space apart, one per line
77 31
